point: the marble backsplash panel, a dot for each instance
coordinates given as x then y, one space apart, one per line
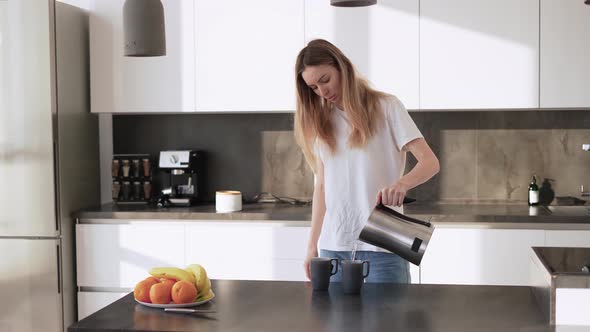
492 155
285 170
485 155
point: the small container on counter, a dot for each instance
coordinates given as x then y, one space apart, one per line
126 190
136 191
147 190
126 168
135 168
146 167
116 190
228 201
115 167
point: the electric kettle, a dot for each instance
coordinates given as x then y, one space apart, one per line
405 236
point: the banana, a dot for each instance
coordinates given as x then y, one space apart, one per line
207 287
205 297
202 282
172 273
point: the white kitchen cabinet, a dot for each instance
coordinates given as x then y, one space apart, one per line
479 54
249 251
381 40
141 84
245 54
565 50
121 255
567 239
479 256
91 302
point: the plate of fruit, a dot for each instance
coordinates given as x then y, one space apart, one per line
172 287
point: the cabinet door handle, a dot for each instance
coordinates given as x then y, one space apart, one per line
56 187
58 270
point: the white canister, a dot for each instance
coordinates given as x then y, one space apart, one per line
228 201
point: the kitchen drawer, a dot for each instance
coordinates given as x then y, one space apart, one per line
567 238
245 241
121 255
252 251
479 256
255 269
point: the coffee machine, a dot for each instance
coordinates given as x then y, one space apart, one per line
185 172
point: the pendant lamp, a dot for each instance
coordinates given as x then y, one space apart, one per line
352 3
144 28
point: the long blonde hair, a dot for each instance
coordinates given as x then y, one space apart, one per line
312 116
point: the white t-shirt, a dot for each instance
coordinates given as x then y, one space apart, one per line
354 177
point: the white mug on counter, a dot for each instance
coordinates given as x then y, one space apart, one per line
228 201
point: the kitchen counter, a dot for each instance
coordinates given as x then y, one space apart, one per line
294 306
561 285
442 215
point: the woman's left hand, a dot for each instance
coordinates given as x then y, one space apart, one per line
393 195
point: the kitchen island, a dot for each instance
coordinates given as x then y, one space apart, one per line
293 306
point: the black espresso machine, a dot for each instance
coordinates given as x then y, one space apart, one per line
185 172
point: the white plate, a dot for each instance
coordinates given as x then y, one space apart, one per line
175 305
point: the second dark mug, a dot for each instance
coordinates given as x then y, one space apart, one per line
353 275
321 270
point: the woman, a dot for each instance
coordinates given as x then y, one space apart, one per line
355 139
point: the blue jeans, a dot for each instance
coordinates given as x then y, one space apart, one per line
384 267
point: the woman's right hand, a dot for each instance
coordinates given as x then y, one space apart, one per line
311 253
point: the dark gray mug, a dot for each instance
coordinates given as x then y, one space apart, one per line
353 275
321 270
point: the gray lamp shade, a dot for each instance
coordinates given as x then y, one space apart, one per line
352 3
144 28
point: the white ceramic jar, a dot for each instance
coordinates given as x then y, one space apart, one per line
228 201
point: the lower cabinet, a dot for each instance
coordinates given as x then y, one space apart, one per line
567 239
112 258
118 256
91 302
248 251
479 256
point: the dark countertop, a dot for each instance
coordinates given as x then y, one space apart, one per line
441 214
293 306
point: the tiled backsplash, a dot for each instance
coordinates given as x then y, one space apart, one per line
485 155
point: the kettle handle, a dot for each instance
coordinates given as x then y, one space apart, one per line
398 215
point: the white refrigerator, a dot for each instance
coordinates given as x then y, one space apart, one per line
48 160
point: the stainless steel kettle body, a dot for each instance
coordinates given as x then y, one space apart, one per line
388 229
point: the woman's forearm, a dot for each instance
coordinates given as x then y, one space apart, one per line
422 172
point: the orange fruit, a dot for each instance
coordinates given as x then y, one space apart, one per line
142 289
154 279
184 292
160 293
170 281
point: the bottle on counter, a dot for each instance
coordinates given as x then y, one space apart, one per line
533 192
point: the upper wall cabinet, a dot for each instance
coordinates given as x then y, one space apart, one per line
565 54
141 84
479 54
381 40
246 53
